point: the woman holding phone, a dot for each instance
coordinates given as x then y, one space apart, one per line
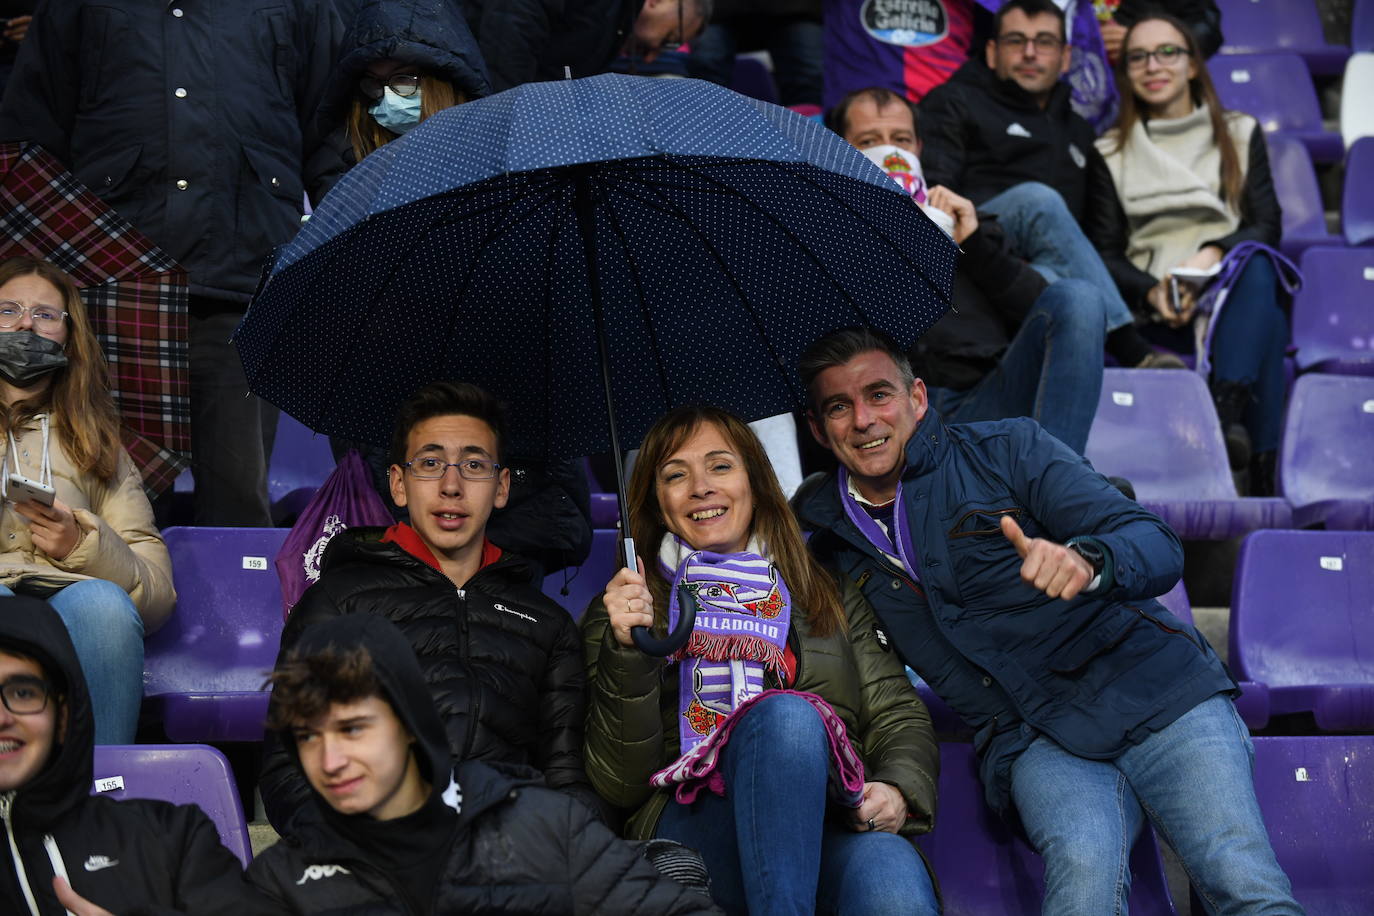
1189 182
76 528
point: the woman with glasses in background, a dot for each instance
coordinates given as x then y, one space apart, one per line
1191 182
76 527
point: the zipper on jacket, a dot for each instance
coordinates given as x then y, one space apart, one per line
475 713
7 814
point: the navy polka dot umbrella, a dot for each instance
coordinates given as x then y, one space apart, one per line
595 252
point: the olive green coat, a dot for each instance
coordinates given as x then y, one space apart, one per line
632 714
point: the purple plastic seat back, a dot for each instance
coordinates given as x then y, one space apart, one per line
1357 200
203 670
588 580
1277 91
751 78
1159 430
1333 324
183 774
1362 26
1258 26
1295 185
1328 443
301 460
987 869
1317 797
1301 623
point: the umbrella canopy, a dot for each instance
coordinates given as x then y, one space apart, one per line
704 239
135 294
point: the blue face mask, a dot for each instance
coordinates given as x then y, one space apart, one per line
396 113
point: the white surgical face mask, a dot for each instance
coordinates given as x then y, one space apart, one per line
396 113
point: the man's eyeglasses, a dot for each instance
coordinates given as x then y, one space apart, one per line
1166 55
432 468
45 317
1043 42
25 696
403 84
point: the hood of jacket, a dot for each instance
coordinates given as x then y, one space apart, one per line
364 544
432 34
34 628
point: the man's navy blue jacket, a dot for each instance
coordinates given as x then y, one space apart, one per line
1096 674
193 119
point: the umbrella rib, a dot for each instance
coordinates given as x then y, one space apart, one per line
641 299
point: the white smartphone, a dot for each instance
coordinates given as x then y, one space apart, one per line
21 489
1195 275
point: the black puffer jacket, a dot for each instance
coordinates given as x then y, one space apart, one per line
503 662
984 134
126 856
431 34
513 846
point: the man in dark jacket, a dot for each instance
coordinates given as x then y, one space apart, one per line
1018 583
400 829
1002 132
193 120
67 850
503 662
1012 345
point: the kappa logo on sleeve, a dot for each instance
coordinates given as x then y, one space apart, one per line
316 872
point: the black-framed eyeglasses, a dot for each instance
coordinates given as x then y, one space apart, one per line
45 317
25 696
403 84
429 467
1042 42
1166 55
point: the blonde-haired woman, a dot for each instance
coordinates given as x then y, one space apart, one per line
76 528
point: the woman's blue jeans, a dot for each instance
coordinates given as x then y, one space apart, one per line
769 845
108 636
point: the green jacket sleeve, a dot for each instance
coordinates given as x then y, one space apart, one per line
894 726
624 738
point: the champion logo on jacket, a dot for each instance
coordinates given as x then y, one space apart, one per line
502 607
97 863
316 872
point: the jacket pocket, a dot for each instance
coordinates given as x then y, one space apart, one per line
102 34
981 522
1096 640
110 171
277 51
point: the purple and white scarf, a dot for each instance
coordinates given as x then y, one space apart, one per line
743 614
897 543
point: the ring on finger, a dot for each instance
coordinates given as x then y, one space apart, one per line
871 825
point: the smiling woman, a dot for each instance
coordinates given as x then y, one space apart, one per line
782 673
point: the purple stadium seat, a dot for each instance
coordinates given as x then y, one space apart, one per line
1325 466
1258 26
1357 200
1301 623
987 869
752 78
183 774
1333 324
589 580
1295 185
1277 90
1159 430
203 670
1253 702
605 510
1317 796
1362 26
301 460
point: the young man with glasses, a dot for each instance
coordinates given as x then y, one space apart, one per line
1002 132
64 850
502 661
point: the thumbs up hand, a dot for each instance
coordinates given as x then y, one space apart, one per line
1052 568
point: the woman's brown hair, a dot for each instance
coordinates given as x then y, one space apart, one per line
1202 92
83 412
366 135
814 594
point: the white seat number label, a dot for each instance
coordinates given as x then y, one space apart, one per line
1335 564
1123 398
110 784
258 563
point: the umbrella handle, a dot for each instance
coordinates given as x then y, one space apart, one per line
644 640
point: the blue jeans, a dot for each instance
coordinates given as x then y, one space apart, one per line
1052 370
1041 229
769 845
1193 780
108 636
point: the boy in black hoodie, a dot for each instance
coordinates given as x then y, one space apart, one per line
64 849
400 829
